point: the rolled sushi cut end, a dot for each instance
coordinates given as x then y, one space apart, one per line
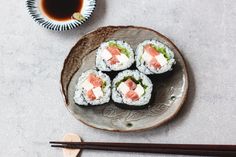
114 55
93 87
153 57
132 88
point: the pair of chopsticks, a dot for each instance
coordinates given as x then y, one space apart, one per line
183 149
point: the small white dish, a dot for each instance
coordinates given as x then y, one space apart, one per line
37 13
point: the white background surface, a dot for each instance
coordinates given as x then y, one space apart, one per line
31 58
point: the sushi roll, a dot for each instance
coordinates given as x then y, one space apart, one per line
153 57
93 88
132 88
114 56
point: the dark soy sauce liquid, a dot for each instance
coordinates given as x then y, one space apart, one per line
61 10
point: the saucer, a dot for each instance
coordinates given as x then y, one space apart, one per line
37 13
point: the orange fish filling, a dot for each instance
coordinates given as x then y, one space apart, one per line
153 52
96 82
91 95
131 84
132 95
114 52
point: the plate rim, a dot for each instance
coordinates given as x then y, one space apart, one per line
186 88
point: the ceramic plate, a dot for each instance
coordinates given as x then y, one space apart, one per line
170 89
35 10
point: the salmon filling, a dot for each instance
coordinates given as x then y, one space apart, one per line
153 57
132 95
91 95
131 89
93 87
115 54
131 84
151 50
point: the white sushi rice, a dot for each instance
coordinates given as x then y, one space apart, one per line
80 96
103 55
146 69
120 98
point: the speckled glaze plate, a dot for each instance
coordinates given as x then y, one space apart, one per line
170 89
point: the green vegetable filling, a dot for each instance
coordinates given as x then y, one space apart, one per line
140 81
121 48
161 50
104 85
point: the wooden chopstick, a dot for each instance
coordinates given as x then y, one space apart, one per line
184 149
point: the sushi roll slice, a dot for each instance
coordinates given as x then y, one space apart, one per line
114 55
132 88
153 57
93 88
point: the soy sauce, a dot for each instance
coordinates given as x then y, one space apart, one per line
61 10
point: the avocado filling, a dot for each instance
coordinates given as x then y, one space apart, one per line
104 85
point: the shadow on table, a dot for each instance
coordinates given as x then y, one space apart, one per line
90 24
